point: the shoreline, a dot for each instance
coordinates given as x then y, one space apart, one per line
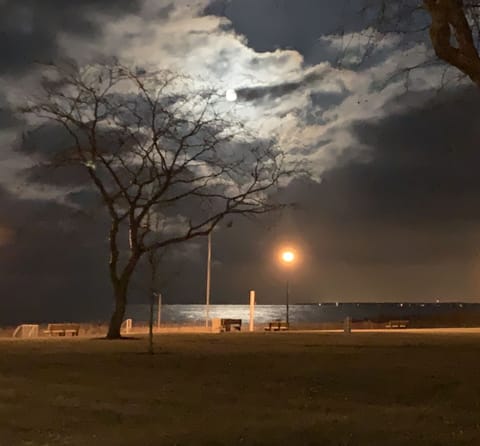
96 331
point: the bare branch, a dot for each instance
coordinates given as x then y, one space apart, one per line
154 147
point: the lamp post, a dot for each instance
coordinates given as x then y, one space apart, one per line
209 271
286 303
288 257
209 274
159 309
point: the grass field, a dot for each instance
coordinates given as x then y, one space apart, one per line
260 389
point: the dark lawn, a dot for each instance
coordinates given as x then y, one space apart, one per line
261 389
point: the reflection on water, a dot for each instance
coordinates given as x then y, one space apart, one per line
310 313
191 314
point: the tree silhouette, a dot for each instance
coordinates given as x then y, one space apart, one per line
453 27
150 143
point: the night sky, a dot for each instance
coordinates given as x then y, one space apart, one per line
392 210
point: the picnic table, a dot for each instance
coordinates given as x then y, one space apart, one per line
230 324
277 326
397 324
62 329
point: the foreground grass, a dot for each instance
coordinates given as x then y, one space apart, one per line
261 389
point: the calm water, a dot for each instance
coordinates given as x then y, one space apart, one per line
311 313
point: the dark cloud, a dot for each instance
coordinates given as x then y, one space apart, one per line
63 176
425 160
270 92
8 116
328 99
273 24
29 28
53 265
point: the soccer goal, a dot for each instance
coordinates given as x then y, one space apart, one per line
26 331
127 326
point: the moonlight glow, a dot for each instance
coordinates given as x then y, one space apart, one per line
231 95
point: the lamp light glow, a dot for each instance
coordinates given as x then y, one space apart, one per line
288 256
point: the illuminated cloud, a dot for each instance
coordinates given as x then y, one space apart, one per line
308 107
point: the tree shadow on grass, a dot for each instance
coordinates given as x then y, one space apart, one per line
123 338
156 353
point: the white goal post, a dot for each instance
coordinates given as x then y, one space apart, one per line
127 326
26 331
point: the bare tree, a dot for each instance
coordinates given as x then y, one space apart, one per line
152 143
453 27
154 259
454 32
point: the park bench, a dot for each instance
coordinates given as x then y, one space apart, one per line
277 326
229 324
62 329
397 324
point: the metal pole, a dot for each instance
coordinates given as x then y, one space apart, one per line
287 303
251 326
159 309
209 268
150 323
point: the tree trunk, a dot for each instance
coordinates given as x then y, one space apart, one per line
452 36
120 294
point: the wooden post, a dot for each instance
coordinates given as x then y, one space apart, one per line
252 311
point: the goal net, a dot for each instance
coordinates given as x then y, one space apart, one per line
26 331
126 326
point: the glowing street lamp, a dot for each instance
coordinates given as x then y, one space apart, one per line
288 258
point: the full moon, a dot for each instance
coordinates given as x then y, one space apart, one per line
231 95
